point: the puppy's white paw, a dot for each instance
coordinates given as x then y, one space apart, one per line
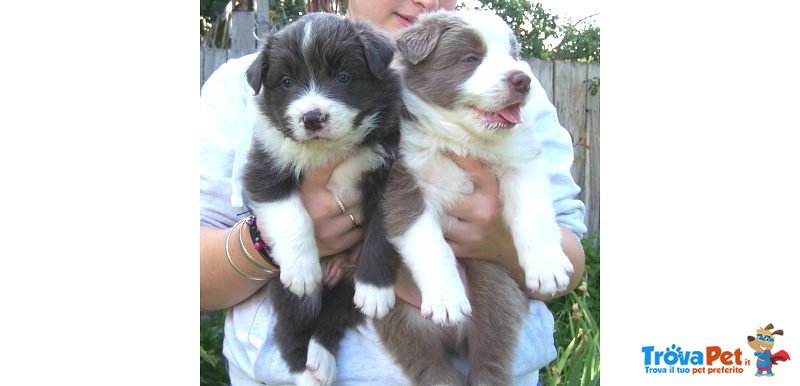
320 367
374 302
548 271
446 306
301 275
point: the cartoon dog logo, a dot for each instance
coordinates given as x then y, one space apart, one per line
763 343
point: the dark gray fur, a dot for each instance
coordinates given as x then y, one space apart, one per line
364 53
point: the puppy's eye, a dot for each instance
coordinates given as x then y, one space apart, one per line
343 78
286 82
471 59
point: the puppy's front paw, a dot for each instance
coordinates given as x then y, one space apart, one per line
447 307
548 271
320 367
374 302
301 276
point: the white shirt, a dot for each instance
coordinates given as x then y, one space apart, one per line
251 350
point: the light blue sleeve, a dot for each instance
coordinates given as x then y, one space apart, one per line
558 152
223 102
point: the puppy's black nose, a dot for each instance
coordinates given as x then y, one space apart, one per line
519 81
313 120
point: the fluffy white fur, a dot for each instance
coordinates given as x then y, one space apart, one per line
513 156
373 302
297 254
308 156
320 367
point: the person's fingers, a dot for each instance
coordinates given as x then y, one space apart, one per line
334 268
335 227
405 288
355 253
343 242
318 178
326 270
352 201
482 177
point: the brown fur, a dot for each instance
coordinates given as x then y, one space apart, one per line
406 198
439 71
490 335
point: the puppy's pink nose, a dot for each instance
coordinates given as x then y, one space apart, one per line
519 81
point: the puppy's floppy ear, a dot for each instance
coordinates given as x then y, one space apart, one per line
258 70
378 49
417 42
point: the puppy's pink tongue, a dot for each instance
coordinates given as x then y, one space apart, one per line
511 114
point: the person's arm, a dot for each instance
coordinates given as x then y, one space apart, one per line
221 286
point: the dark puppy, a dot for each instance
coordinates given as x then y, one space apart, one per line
325 92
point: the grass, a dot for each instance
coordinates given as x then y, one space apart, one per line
213 369
577 334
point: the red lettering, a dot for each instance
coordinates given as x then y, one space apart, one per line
712 353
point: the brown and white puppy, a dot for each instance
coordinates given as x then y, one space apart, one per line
325 91
466 92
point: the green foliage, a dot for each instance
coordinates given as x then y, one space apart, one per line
209 9
532 24
213 368
282 12
577 335
582 45
536 28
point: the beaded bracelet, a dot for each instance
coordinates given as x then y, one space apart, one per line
273 269
228 255
263 249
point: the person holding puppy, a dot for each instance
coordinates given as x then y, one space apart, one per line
230 280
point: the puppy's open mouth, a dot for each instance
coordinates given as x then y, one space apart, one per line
500 119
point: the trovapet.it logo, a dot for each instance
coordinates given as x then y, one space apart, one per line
710 360
716 360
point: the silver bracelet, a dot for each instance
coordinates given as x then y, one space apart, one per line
272 270
230 260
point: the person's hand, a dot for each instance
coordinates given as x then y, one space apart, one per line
334 231
336 267
479 230
406 289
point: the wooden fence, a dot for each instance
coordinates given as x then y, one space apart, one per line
568 86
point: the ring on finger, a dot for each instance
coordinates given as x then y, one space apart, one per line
340 203
353 219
